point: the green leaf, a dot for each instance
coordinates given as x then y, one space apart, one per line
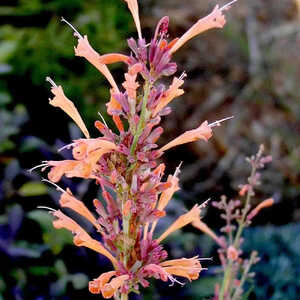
33 188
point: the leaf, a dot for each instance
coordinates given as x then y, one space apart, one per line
33 188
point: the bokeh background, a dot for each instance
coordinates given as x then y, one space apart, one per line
250 69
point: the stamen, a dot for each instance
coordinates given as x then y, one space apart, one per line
48 208
177 171
183 75
57 187
51 81
39 166
226 6
206 258
76 33
204 204
103 120
66 147
218 123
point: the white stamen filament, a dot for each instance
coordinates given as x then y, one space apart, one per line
218 123
39 166
102 119
226 6
66 147
46 207
177 171
51 81
57 187
76 33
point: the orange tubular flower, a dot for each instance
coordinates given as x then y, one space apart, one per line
68 200
214 20
97 284
60 168
61 101
112 58
203 132
197 223
173 92
109 289
266 203
184 267
181 222
81 237
134 9
84 49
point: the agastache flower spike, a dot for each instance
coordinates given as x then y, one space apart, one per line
124 163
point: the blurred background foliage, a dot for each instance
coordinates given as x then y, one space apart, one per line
250 69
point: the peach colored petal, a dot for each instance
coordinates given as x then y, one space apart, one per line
232 253
68 200
130 85
82 239
110 288
215 19
61 101
182 221
134 9
203 132
59 168
97 284
84 49
173 92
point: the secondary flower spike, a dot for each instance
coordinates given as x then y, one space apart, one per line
123 162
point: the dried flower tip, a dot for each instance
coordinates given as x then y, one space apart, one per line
266 203
110 288
203 132
232 253
214 20
61 101
134 9
182 221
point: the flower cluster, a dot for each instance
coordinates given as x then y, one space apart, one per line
124 164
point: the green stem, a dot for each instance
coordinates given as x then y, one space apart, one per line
141 123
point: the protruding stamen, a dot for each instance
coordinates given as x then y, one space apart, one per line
204 204
39 166
76 33
57 187
51 81
183 75
48 208
66 147
177 171
218 123
103 120
226 6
